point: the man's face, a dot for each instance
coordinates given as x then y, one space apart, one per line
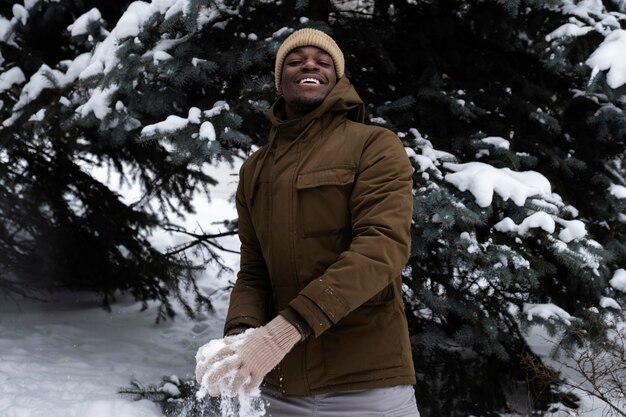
307 78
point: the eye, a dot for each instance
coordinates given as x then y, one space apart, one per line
324 63
294 62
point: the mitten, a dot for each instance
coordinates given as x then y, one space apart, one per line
240 365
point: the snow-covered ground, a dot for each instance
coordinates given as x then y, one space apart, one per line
68 357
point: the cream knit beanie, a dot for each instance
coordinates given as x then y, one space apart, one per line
308 37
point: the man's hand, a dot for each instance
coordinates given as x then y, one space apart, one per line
241 365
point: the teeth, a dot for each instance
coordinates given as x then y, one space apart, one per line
309 80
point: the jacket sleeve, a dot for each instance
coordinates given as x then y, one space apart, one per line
381 204
251 297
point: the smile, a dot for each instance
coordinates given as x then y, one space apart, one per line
309 81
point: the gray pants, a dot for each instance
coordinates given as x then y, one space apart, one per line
398 401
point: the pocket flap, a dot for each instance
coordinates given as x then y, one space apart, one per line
330 176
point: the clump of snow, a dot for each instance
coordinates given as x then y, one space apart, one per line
37 117
483 180
539 219
547 312
80 25
172 123
617 191
207 131
569 30
98 103
249 405
506 225
20 14
611 56
29 4
11 77
619 280
42 80
161 56
497 142
572 230
607 302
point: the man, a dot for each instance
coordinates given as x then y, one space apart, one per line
324 222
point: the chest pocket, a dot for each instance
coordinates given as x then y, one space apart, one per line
324 200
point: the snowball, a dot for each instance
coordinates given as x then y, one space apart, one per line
572 230
618 191
547 312
611 56
619 280
482 180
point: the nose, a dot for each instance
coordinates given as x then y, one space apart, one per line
310 64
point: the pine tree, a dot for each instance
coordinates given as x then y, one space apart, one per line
517 143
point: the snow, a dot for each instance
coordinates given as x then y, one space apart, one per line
572 230
172 123
619 280
506 225
249 405
11 77
607 302
68 357
80 25
547 312
98 103
497 142
6 29
483 180
540 220
20 13
207 131
568 29
42 80
617 191
611 56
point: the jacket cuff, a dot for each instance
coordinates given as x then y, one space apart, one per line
242 321
233 331
297 321
315 317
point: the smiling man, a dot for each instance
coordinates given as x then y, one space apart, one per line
316 314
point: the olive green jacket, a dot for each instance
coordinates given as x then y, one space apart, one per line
324 222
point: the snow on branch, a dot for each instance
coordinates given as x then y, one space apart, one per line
483 180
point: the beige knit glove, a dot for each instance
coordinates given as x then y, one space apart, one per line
240 366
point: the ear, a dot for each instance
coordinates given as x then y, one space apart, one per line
279 90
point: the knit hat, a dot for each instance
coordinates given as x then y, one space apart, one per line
308 37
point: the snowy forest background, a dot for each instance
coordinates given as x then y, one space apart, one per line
512 112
